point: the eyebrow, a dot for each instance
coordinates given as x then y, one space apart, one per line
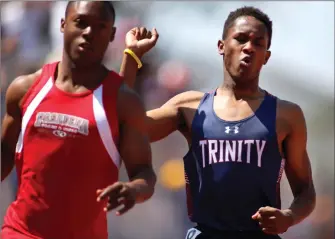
246 33
84 15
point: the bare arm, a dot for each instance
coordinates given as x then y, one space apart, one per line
140 41
135 146
161 121
298 171
298 167
170 117
11 124
129 70
10 130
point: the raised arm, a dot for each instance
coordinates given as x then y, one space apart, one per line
11 123
164 120
298 167
139 41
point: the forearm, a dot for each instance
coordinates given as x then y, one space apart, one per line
302 205
144 184
129 70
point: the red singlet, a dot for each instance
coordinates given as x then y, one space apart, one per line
67 149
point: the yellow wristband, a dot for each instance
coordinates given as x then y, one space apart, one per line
138 61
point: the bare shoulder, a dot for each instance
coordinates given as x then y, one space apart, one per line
20 86
128 96
129 104
187 99
290 111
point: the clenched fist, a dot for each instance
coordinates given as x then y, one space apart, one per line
140 40
273 220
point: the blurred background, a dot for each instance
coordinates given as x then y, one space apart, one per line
301 69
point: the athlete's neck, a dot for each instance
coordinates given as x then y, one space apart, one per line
240 90
88 76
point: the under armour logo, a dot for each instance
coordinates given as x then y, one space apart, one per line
231 129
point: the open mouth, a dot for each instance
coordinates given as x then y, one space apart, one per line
85 47
246 61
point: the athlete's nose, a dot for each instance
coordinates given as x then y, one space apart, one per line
249 48
88 33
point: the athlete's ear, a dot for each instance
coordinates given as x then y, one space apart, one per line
62 25
267 57
113 34
221 47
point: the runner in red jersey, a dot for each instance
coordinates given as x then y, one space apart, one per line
66 129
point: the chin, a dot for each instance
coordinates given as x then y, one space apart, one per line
82 62
244 75
243 78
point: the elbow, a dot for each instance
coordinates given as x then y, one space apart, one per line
312 197
154 135
310 191
308 194
7 161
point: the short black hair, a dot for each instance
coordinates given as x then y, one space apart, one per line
108 5
248 11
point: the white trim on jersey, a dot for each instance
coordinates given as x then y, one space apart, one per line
103 126
99 115
30 110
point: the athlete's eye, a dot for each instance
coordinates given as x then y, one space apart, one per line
241 38
81 23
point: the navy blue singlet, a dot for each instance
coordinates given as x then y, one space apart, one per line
233 167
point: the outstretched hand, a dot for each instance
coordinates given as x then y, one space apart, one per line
140 40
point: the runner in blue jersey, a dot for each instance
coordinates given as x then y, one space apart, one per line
241 139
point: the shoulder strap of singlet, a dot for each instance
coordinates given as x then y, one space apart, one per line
208 97
48 71
51 68
111 87
204 103
114 79
267 112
